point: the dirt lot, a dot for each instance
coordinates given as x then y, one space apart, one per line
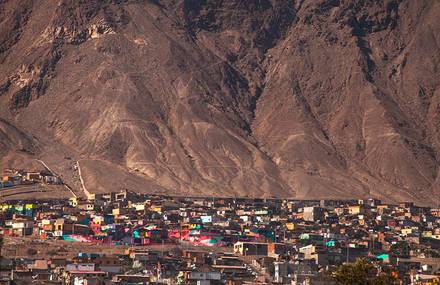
35 191
31 247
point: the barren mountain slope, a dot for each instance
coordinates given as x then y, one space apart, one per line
305 99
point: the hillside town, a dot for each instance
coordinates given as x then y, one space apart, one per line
129 238
220 142
14 177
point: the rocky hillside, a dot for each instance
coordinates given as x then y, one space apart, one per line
299 98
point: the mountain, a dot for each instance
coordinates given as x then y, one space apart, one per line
305 99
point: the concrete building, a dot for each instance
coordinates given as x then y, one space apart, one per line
313 214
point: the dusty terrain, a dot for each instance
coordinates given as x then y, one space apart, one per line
300 99
35 192
52 248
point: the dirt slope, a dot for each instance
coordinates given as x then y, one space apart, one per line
304 99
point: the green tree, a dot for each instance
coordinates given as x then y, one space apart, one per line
361 273
383 279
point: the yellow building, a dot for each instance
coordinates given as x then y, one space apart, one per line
406 231
157 209
290 226
355 209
